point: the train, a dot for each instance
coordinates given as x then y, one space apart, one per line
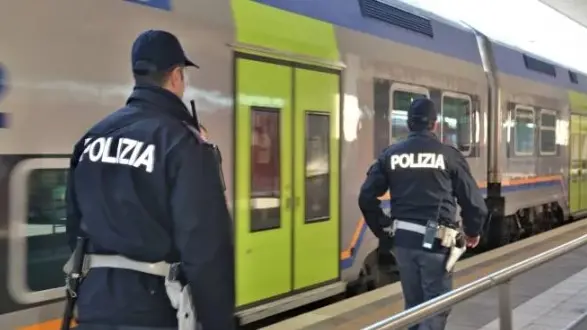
300 97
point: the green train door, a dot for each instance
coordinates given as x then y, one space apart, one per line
583 164
286 142
575 174
316 176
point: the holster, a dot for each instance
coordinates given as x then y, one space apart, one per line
75 272
456 251
179 295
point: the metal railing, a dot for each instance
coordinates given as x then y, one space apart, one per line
501 278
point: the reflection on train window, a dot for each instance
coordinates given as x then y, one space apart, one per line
456 122
547 132
265 168
399 114
317 167
524 131
47 249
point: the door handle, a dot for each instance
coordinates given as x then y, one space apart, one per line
288 202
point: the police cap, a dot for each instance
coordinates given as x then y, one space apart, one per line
422 111
156 51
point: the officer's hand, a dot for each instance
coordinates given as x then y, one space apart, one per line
472 242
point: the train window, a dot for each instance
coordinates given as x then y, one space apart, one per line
457 121
47 245
38 246
401 98
317 167
547 132
524 129
265 168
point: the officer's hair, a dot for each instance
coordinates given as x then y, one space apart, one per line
157 78
419 126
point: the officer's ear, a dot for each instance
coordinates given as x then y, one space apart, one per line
176 81
176 76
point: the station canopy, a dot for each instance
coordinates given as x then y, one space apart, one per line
573 9
541 28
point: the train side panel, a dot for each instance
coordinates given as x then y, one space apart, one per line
65 72
380 72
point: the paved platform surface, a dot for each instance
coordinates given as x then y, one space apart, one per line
551 296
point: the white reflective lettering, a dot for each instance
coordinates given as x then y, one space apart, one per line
86 149
147 158
123 151
422 160
127 146
135 152
96 149
106 158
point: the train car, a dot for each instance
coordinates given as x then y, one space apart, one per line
300 96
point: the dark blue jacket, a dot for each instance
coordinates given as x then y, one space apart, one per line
425 179
142 185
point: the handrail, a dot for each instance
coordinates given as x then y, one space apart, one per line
500 278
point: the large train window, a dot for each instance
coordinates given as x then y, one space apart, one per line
457 121
524 130
317 167
401 97
547 132
38 247
265 169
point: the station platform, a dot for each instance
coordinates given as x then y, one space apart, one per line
551 296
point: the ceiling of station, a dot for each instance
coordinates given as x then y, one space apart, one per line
573 9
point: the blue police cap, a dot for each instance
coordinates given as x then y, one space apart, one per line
156 51
422 111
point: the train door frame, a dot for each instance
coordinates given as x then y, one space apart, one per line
583 164
575 172
18 249
248 290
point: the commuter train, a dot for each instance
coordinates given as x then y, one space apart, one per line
300 96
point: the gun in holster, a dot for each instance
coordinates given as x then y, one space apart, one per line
457 249
73 280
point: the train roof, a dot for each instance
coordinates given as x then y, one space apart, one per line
400 22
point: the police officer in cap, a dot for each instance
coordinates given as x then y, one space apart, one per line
425 178
145 190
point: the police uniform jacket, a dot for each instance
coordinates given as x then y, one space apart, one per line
425 178
142 185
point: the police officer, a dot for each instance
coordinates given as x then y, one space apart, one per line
424 178
144 189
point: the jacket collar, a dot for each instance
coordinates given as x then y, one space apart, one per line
161 100
424 133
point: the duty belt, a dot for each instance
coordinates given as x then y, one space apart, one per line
178 293
449 238
161 268
416 228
